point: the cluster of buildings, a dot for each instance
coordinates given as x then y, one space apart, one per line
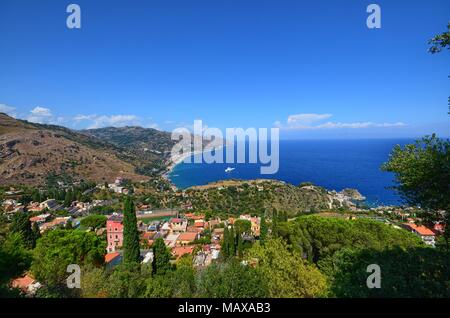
410 222
118 186
182 235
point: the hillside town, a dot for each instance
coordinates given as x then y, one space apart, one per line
184 231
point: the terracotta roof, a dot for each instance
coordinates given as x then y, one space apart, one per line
187 236
194 229
182 250
199 223
422 230
23 282
110 256
176 220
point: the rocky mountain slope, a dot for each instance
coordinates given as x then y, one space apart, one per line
29 152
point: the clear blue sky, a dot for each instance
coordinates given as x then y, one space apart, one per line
231 63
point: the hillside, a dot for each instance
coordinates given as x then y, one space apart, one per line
145 148
29 152
254 196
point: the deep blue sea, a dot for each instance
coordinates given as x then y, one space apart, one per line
333 164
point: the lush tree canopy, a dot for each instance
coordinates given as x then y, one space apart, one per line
422 172
14 260
317 238
231 279
57 249
413 272
286 273
21 224
94 221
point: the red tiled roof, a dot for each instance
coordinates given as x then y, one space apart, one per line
23 282
110 256
422 230
194 229
176 220
187 236
182 250
199 224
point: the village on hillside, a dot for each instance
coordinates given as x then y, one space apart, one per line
184 231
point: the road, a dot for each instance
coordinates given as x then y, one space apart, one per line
157 213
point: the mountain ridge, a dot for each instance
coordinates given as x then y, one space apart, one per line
30 151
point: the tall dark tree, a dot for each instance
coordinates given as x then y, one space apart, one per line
68 198
232 243
36 233
21 224
263 229
161 257
131 251
224 251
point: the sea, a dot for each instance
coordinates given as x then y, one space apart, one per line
333 164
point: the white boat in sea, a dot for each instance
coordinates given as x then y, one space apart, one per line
229 169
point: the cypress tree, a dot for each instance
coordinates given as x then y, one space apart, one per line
240 246
275 223
263 229
68 198
36 233
225 244
161 257
232 243
21 224
131 251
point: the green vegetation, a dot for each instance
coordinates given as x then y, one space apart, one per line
131 251
318 238
94 221
422 172
287 274
57 249
161 257
231 280
14 260
255 197
413 272
22 225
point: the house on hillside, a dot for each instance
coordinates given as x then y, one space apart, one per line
178 225
50 204
26 284
179 251
426 234
112 259
187 238
114 232
56 222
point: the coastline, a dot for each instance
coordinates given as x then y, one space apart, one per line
172 163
